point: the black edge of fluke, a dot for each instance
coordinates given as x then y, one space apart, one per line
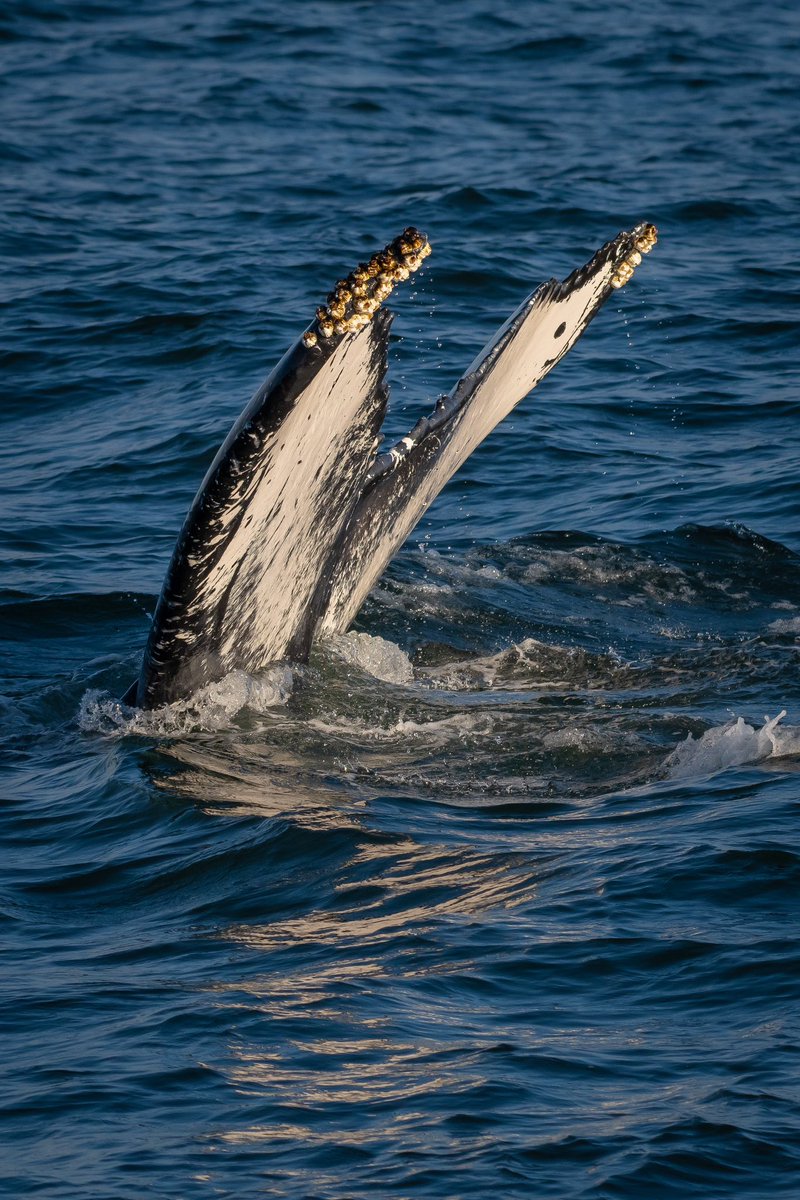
297 517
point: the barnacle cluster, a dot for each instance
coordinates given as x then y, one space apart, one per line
645 238
354 301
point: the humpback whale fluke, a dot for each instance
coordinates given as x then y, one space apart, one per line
298 516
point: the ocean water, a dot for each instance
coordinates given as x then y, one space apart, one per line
499 894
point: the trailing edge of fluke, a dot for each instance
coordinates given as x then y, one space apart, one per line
298 515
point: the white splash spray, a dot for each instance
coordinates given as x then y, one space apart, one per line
732 745
212 707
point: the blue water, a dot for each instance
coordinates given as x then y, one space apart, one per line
456 910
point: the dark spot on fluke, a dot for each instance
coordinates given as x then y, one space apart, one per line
560 329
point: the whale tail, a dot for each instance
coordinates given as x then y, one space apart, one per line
298 516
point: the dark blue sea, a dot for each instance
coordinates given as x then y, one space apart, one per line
499 895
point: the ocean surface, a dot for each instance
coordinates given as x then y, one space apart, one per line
499 895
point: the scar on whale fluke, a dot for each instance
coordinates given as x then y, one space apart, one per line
298 515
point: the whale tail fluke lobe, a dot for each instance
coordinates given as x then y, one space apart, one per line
403 482
297 516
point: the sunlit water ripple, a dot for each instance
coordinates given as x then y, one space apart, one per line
498 894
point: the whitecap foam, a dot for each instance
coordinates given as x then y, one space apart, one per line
643 578
375 655
419 598
592 741
461 570
786 625
212 707
526 662
732 745
435 732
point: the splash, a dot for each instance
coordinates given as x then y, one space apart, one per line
212 707
374 655
732 745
